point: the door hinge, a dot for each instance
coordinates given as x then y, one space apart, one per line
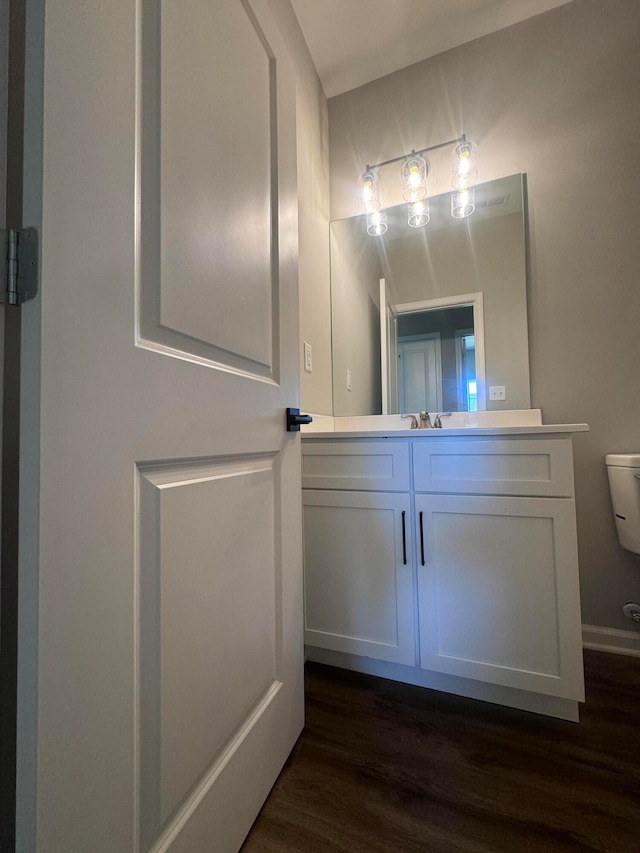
18 265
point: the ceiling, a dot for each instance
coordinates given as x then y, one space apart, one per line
355 41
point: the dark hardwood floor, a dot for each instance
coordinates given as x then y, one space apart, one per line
384 767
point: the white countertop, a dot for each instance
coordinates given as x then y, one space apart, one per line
539 429
454 425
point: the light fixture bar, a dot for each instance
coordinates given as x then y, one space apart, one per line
462 138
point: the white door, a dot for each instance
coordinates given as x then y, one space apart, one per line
420 374
388 351
170 622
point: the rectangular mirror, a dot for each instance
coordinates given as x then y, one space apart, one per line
433 317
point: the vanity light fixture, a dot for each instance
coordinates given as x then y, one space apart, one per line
464 164
370 199
414 171
414 178
376 220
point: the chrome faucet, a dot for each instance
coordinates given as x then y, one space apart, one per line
424 421
414 422
437 424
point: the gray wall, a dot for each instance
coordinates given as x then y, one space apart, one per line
313 215
556 97
355 302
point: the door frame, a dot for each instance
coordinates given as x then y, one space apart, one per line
12 103
459 336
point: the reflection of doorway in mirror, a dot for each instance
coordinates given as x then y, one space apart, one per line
466 370
388 351
420 373
459 383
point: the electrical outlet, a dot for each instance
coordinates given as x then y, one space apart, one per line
308 361
497 392
349 383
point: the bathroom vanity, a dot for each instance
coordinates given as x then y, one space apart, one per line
447 559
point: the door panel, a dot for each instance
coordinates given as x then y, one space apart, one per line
420 374
170 635
209 222
195 614
200 251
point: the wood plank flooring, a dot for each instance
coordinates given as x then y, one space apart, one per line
384 767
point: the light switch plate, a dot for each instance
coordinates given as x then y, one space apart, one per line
308 360
349 382
497 392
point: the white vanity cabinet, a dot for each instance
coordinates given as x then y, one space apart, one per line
359 578
453 560
498 591
359 589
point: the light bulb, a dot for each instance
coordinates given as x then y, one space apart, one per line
463 203
464 165
414 177
370 198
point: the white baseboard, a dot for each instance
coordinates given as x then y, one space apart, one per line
611 640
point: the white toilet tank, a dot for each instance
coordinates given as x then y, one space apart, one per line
624 482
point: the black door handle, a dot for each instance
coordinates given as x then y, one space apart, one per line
294 419
421 541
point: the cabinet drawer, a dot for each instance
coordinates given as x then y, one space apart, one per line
540 467
356 465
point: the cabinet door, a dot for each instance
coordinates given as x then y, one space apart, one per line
498 591
358 574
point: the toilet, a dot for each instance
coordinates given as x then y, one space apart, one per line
624 481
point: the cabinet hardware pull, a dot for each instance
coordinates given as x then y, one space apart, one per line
421 541
404 538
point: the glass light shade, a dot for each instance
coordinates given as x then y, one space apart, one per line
464 165
463 203
414 178
418 214
377 223
369 189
